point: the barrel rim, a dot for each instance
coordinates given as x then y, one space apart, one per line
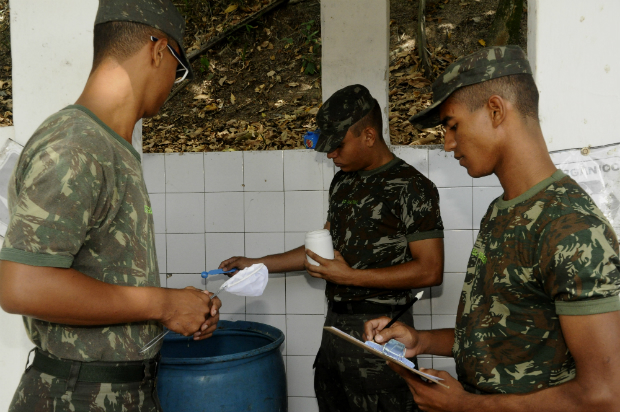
237 328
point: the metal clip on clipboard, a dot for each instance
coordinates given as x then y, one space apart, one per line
394 349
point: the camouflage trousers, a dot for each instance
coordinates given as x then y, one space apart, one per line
40 392
349 379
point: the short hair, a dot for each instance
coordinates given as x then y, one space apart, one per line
122 39
519 89
372 119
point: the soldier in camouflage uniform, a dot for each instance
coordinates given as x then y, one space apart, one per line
79 260
388 238
539 314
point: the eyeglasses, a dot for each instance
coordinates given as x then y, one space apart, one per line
182 71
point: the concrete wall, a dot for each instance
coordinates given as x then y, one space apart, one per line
52 49
355 37
573 48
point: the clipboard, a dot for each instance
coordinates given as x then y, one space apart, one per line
382 355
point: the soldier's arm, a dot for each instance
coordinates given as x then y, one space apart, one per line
426 269
593 340
70 297
290 261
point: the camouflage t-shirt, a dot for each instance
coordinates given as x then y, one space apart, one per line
546 253
77 199
373 216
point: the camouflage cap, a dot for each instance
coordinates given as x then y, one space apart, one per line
342 110
485 64
160 14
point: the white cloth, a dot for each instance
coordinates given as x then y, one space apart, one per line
250 281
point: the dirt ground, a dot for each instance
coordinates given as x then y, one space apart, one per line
260 88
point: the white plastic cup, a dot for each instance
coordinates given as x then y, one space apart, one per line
320 242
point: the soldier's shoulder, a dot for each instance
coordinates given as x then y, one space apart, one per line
412 176
566 197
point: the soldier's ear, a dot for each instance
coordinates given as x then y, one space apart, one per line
370 136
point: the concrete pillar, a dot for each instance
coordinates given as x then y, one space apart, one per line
356 46
573 50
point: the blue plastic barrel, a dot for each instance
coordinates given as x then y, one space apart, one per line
240 368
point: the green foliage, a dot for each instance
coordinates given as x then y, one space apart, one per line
204 64
310 60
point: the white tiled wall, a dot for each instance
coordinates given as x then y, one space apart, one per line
211 206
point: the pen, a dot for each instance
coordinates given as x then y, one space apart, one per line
405 309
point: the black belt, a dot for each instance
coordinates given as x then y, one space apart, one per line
122 372
363 308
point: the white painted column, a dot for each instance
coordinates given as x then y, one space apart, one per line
356 45
52 56
572 45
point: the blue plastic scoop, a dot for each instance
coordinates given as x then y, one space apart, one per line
216 272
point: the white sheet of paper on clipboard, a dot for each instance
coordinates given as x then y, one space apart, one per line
382 355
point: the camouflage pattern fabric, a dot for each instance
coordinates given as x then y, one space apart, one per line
485 64
373 216
160 14
546 253
77 199
349 379
342 110
39 392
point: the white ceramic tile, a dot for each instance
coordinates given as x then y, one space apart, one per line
303 211
303 170
293 240
299 404
264 211
224 212
304 294
223 171
457 246
422 306
230 303
483 196
263 244
416 157
444 321
300 375
160 247
277 321
185 253
476 232
446 296
154 172
304 334
232 317
328 170
162 280
221 246
490 180
273 299
425 363
183 280
456 207
158 205
263 171
445 171
184 173
185 212
445 364
422 322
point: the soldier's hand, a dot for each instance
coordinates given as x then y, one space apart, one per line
209 326
374 330
239 262
337 270
185 310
